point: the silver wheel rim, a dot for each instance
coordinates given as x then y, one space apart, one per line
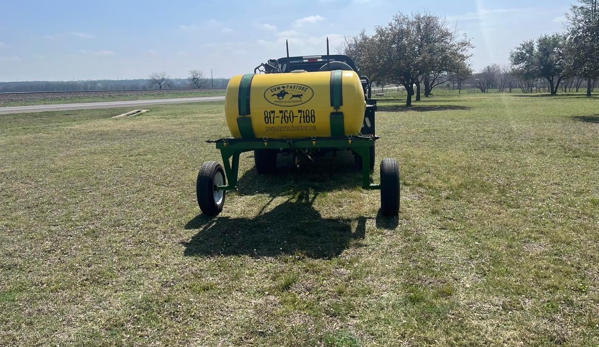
218 195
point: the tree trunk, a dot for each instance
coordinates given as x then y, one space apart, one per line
418 91
427 87
410 92
589 87
550 80
559 79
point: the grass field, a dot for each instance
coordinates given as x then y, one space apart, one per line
497 243
27 99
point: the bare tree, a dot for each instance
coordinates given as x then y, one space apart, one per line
159 79
461 73
487 78
432 80
577 83
503 78
526 85
196 78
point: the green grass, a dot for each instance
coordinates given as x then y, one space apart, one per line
75 97
102 242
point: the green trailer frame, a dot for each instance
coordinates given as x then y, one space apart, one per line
231 150
214 181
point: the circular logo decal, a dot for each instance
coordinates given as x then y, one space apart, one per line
289 94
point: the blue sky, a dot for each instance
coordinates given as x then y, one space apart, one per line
80 40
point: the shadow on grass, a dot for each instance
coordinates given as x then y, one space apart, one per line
327 173
588 119
292 228
403 108
386 222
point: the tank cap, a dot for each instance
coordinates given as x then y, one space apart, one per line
298 71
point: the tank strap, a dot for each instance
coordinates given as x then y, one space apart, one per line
245 87
245 123
336 89
337 124
245 127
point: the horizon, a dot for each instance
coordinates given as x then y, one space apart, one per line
108 79
71 41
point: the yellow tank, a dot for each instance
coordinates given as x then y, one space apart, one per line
295 105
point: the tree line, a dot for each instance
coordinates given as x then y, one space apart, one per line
423 51
161 80
157 80
571 57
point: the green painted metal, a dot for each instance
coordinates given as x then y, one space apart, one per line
231 167
231 149
344 142
245 127
337 124
245 87
336 89
364 152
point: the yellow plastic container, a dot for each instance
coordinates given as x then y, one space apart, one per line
295 105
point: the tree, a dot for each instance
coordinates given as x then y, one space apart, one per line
544 57
506 79
551 59
523 63
583 41
460 74
432 80
196 78
395 53
160 79
442 50
408 51
487 78
358 48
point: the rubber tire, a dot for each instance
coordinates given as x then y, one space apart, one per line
265 160
205 187
358 159
390 187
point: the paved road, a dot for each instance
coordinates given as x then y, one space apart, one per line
112 104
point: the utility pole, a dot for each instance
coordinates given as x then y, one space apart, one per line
211 79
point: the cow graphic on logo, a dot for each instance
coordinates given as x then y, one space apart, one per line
288 95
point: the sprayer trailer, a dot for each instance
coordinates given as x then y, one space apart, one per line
306 106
